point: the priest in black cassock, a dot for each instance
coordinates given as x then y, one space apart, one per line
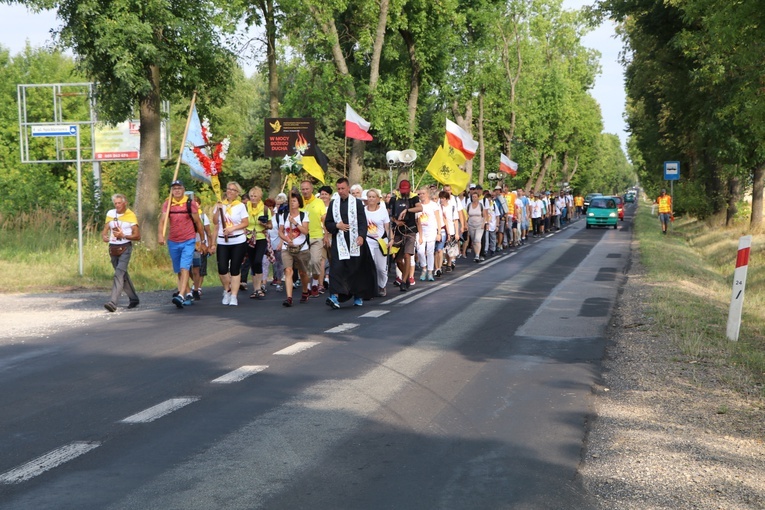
352 272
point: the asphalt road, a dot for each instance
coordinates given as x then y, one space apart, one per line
470 392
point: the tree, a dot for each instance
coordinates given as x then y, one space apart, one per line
138 52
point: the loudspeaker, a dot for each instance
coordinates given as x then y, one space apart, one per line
408 156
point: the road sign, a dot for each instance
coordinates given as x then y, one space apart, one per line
55 130
671 170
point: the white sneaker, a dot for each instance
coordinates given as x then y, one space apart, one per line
233 301
226 298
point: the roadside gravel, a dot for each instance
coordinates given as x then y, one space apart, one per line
667 432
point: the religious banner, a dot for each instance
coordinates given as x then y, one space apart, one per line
285 137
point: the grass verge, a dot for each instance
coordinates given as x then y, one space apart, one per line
691 274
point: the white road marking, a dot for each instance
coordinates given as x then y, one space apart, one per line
159 410
374 313
240 373
48 461
296 348
342 328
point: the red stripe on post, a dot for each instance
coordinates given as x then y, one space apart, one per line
742 259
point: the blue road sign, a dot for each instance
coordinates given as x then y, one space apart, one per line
54 130
671 170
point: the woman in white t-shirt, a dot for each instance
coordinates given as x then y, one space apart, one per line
378 227
293 231
231 241
429 225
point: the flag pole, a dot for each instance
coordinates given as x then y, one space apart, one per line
345 158
180 156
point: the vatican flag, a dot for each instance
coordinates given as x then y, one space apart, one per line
445 170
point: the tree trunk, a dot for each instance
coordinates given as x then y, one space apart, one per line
466 123
734 192
513 79
481 148
542 172
267 9
755 225
147 185
414 84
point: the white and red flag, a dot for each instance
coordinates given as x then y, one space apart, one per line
355 126
507 165
460 140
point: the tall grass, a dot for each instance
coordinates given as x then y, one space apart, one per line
691 274
39 253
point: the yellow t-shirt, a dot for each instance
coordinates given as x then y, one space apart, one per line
315 209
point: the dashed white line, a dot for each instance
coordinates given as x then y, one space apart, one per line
296 348
374 313
48 461
239 374
342 328
159 410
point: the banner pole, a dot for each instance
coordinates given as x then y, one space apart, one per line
180 155
345 158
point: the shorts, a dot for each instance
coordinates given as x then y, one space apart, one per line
405 242
664 218
301 261
182 254
440 244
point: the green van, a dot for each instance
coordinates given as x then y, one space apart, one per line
603 212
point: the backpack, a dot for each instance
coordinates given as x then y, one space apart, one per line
291 248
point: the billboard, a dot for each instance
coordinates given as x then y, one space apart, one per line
122 141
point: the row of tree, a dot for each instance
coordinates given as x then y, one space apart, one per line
695 94
513 73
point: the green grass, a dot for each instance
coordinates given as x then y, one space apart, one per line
690 272
38 253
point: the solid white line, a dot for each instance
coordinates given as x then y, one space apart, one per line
48 461
374 314
400 296
159 410
342 328
240 373
296 348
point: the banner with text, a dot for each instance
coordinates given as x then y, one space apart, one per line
123 141
289 136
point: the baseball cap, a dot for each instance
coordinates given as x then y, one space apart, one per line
177 182
404 186
497 187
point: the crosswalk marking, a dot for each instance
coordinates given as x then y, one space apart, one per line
374 313
48 461
296 348
240 374
159 410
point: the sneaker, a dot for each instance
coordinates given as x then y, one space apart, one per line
476 260
226 298
188 302
297 284
438 273
430 276
449 269
322 290
397 282
234 301
178 301
315 291
358 302
423 276
382 292
482 259
287 302
111 307
196 295
189 297
275 282
304 297
403 287
243 286
332 302
279 288
411 282
133 304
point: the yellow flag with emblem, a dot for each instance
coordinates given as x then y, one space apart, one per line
312 167
445 170
457 156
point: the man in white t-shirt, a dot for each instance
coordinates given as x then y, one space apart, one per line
120 230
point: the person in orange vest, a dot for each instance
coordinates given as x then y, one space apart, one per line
665 209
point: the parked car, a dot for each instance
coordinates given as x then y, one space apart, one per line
602 212
588 198
620 207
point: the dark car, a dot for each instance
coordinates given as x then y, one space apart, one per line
588 198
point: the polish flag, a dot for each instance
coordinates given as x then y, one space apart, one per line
507 165
355 126
460 140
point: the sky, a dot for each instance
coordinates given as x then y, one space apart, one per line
18 25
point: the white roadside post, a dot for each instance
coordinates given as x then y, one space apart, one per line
739 284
